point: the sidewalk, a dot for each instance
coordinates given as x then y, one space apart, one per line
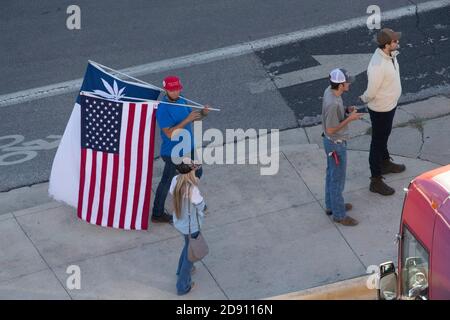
268 235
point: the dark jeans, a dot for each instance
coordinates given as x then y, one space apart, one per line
381 129
169 172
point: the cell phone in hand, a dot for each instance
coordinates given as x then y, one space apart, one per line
361 110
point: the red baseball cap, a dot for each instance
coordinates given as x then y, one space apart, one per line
172 83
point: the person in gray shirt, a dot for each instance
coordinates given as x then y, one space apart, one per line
335 120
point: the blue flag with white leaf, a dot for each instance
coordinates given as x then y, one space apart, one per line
105 85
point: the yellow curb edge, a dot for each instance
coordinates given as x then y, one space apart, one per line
351 289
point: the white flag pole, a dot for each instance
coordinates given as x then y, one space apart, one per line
143 82
94 95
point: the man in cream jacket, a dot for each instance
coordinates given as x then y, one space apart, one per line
383 91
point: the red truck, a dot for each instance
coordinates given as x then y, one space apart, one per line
423 242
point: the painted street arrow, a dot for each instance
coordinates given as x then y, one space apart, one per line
353 63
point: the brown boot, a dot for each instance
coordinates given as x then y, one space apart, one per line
348 207
347 221
390 167
378 186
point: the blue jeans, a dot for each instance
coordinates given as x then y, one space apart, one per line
185 267
335 179
169 172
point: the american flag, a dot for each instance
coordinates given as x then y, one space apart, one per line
117 145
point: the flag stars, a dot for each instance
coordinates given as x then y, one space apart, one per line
102 121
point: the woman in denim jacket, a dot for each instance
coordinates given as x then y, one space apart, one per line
187 200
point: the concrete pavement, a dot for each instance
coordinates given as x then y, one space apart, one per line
268 235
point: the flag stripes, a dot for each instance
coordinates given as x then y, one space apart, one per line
115 187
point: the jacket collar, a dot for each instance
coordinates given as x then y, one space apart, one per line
385 56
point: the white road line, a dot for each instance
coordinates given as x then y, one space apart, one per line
355 64
221 53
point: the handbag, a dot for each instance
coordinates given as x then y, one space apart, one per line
197 248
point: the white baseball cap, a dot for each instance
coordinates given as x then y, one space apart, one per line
340 76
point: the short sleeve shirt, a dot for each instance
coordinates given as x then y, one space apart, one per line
333 113
169 116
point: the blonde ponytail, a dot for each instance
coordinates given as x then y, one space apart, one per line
183 190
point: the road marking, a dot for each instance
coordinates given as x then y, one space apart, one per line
353 63
220 53
26 152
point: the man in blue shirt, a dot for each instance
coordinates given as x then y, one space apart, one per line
171 118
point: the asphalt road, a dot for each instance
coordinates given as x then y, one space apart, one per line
42 51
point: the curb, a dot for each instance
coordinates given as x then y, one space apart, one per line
352 289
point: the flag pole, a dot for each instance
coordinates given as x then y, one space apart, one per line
140 81
94 95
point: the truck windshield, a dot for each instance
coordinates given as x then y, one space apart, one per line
415 261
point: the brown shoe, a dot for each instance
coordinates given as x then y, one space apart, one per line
348 207
164 218
390 167
347 221
378 186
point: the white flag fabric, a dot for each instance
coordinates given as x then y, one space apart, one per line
65 174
